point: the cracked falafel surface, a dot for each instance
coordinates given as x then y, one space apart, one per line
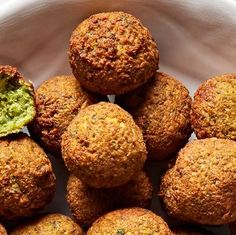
58 100
112 53
132 221
201 186
161 108
214 108
103 146
87 203
52 224
27 181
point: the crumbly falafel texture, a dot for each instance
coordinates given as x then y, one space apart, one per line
27 181
112 53
58 100
200 187
87 203
214 108
135 221
103 146
52 224
161 108
16 101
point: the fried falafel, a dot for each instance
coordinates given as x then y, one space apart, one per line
52 224
135 221
103 146
214 108
87 204
201 186
161 108
112 53
2 230
17 105
27 181
58 100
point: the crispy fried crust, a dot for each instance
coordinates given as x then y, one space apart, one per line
214 108
103 146
87 203
2 230
200 188
58 100
161 108
112 53
52 224
135 221
27 181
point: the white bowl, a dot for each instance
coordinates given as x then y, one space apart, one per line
196 40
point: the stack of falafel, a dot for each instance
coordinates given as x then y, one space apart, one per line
106 146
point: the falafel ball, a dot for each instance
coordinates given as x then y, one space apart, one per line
189 230
58 100
201 188
27 181
87 203
214 108
52 224
17 105
135 221
103 146
161 108
2 230
112 53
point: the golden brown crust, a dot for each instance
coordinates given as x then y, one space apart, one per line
52 224
200 188
103 146
112 53
2 230
11 73
213 111
27 181
135 221
87 203
161 108
58 100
